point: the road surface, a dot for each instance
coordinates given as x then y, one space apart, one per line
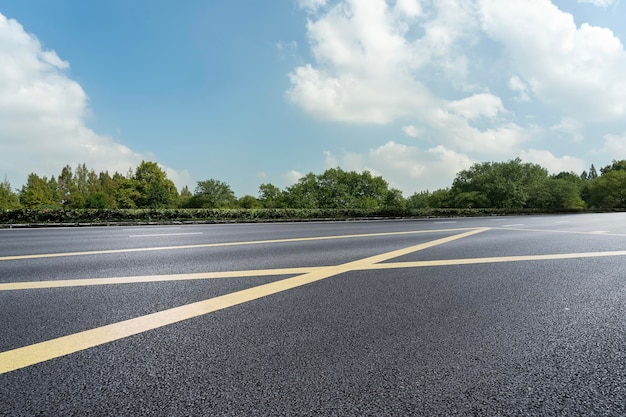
484 316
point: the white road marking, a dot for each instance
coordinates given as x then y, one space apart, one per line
167 234
134 229
512 225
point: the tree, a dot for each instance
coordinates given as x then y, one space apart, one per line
212 193
271 196
336 188
39 192
154 189
418 200
608 190
249 202
555 193
615 166
9 200
125 191
496 184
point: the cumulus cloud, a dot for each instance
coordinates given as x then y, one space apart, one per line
614 146
553 164
599 3
292 177
408 168
43 112
411 131
577 70
484 79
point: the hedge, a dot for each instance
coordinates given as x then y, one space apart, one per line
147 216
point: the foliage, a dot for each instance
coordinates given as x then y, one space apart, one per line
9 199
146 195
336 188
497 184
212 193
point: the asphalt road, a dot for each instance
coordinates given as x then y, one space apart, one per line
486 316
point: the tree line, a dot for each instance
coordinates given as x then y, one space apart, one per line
506 185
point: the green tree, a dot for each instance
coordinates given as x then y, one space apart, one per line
9 199
212 193
496 184
418 200
249 202
271 196
154 189
336 188
39 192
555 193
125 192
608 190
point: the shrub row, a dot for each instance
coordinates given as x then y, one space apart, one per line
95 216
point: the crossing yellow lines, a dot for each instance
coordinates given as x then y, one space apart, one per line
222 244
296 277
39 352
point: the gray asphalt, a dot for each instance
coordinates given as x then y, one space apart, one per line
536 337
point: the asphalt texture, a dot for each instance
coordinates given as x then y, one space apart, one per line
521 337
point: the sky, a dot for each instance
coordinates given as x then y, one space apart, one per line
251 92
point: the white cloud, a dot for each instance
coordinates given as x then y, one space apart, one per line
519 86
571 128
578 71
412 131
42 114
478 105
553 164
599 3
615 146
371 66
408 168
311 5
363 65
292 177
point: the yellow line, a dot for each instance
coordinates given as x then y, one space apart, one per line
223 244
29 355
472 261
29 285
572 232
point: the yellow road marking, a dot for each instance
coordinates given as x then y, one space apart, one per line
29 285
223 244
39 352
472 261
571 232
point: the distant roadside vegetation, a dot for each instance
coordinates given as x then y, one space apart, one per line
510 186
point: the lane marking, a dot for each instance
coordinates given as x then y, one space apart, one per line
29 285
134 229
600 232
223 244
561 231
86 282
167 234
39 352
512 225
472 261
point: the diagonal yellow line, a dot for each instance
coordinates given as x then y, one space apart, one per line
39 352
223 244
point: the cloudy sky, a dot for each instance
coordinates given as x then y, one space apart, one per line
264 91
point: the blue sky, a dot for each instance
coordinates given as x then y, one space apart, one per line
264 91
